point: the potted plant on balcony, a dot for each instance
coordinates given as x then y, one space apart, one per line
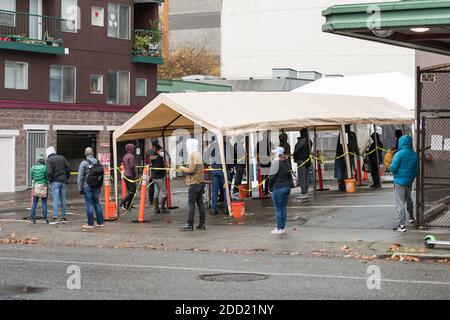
155 36
141 42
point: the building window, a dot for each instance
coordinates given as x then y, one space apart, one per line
70 14
119 21
97 84
7 18
141 87
62 84
118 84
98 16
16 75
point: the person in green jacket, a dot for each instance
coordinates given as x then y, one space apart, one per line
39 177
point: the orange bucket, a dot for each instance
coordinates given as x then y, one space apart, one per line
243 193
350 185
238 209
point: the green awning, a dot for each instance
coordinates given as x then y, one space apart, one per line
391 22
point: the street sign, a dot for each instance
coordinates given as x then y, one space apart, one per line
105 158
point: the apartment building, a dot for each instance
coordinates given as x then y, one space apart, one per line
71 72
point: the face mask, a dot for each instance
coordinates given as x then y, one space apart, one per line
161 154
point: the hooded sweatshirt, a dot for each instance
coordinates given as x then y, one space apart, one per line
405 164
194 169
302 150
57 167
128 161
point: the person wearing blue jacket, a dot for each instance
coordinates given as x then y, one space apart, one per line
404 167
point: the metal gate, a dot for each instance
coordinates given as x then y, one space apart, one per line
36 145
433 143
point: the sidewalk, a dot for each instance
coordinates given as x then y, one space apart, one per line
335 225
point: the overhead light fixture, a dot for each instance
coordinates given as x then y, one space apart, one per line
420 29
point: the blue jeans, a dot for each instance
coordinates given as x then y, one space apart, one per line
91 202
33 208
280 199
59 192
218 182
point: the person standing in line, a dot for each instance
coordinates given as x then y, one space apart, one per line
302 157
130 176
375 156
149 156
239 167
195 180
405 167
58 176
90 181
159 179
212 158
280 184
340 166
398 135
264 148
40 189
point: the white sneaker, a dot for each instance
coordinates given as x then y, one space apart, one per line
277 231
400 228
88 227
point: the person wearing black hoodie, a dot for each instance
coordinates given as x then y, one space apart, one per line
398 135
58 176
302 157
263 151
375 157
340 167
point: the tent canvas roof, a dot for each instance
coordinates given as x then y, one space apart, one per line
394 86
243 112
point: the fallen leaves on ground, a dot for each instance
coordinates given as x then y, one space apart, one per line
406 258
395 246
13 238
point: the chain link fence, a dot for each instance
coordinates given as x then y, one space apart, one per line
433 143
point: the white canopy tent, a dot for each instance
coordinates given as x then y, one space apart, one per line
230 113
394 86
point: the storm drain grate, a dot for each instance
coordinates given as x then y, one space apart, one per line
233 277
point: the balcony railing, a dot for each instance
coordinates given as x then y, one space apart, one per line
147 46
31 29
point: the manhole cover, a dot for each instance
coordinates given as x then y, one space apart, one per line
233 277
10 290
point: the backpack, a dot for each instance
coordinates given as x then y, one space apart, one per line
94 178
388 159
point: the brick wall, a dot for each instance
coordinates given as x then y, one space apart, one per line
14 119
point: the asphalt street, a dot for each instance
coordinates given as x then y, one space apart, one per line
41 272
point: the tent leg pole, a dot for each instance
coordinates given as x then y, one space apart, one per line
115 175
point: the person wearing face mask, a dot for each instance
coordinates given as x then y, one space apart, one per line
159 181
196 182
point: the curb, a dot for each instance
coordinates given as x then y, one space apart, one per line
423 256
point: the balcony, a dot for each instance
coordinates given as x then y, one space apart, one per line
33 33
147 46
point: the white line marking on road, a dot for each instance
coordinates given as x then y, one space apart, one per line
337 207
279 274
